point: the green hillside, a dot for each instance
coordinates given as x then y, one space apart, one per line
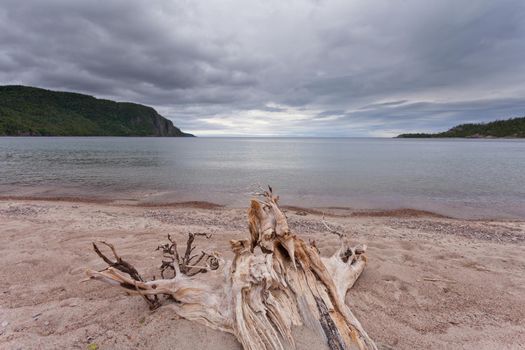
514 127
37 112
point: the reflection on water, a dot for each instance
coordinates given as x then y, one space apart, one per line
461 177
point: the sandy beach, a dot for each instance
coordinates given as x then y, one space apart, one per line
431 282
262 175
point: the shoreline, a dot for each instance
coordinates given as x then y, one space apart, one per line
328 210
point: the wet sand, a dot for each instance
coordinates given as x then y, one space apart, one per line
431 282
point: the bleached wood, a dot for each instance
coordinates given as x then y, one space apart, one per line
266 292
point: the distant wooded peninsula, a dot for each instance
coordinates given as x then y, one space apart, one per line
30 111
511 128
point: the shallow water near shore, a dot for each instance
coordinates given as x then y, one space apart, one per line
456 177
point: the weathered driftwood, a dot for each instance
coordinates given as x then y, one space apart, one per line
265 293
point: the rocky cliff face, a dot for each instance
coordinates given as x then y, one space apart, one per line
165 127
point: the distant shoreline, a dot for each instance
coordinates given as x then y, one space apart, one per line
509 128
473 137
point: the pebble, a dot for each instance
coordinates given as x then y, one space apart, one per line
23 211
5 324
46 323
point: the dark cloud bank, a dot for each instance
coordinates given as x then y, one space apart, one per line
320 68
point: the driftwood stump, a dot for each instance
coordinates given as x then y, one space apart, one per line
266 291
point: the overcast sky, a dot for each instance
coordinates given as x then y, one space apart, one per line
299 68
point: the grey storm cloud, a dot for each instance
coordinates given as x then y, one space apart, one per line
305 68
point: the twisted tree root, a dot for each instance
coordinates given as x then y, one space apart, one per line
264 293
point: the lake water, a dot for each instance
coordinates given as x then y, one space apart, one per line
464 178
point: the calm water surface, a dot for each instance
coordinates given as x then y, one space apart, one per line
470 178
